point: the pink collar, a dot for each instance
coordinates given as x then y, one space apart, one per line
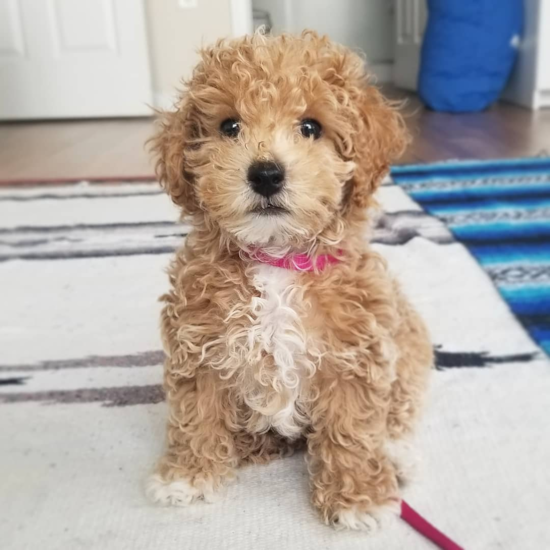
297 262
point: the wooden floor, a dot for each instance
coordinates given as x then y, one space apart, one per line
503 131
104 149
76 150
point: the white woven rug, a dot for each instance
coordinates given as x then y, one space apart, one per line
82 418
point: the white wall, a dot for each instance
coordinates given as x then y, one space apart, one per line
364 24
175 34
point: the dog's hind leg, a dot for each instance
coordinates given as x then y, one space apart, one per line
408 393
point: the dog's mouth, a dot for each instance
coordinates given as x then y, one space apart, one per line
269 209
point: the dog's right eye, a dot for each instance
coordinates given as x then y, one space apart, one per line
230 127
310 128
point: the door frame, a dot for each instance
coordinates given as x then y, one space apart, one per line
241 17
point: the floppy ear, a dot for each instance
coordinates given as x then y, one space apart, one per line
172 145
381 138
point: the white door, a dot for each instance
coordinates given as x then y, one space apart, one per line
529 84
410 23
73 58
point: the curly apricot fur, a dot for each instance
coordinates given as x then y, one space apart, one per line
355 367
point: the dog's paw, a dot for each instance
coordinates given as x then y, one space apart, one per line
370 521
181 491
405 459
170 493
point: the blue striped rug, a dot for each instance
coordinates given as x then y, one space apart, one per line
500 210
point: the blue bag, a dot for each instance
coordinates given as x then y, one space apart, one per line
468 52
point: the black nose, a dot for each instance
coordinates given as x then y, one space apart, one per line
266 178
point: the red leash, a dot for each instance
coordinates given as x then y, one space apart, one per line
418 523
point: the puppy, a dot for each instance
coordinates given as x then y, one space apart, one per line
282 325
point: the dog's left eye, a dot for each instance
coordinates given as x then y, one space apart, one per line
230 127
310 128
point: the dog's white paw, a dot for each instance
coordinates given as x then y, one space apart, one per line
371 521
405 458
170 493
179 492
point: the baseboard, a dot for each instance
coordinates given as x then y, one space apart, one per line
543 99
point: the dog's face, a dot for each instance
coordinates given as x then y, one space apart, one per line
276 139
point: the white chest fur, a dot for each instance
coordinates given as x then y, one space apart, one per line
278 331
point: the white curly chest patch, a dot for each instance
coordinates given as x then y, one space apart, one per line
278 331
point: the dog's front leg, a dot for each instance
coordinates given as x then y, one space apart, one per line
200 452
354 483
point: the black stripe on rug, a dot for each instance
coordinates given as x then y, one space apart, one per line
82 226
109 397
13 381
142 359
80 254
72 241
404 174
447 359
535 320
482 240
54 196
436 202
443 360
152 394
